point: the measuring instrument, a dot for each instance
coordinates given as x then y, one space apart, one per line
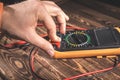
98 42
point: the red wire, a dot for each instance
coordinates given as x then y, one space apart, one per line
90 73
32 62
42 35
67 26
32 59
73 77
75 27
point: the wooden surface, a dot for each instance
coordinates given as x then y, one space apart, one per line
14 64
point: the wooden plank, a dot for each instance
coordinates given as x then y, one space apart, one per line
89 15
102 7
15 62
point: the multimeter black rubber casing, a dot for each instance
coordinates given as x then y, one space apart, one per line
104 41
100 38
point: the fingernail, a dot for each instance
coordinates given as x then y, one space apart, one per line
59 39
50 52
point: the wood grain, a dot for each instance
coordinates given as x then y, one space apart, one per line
14 63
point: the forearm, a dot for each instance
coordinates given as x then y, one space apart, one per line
1 11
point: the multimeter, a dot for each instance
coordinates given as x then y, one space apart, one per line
104 41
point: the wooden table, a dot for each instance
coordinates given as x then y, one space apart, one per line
89 14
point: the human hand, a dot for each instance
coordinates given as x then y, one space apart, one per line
21 20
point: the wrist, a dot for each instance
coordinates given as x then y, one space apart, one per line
1 12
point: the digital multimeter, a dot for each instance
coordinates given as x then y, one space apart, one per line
103 41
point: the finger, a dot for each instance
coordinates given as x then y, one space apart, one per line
62 23
66 16
56 9
61 19
31 36
60 11
50 25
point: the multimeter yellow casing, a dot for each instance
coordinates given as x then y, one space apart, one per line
103 41
87 53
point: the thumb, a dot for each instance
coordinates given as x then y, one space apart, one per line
32 37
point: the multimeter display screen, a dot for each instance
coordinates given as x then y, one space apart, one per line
106 37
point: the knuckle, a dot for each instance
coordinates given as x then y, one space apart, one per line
59 12
50 29
52 2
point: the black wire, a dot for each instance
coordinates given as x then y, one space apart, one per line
3 76
117 60
30 58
